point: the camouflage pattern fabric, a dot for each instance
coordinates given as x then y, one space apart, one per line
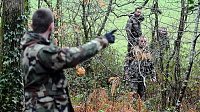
138 66
133 30
42 65
164 41
47 104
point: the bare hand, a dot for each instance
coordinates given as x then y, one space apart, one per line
154 80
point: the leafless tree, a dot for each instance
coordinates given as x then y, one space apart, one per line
186 80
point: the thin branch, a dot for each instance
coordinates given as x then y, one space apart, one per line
124 3
145 3
47 3
106 17
119 15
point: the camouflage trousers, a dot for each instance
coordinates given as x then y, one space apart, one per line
47 104
137 85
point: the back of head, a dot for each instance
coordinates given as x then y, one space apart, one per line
41 20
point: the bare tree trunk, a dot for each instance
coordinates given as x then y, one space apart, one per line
183 88
156 43
12 16
155 39
84 20
1 39
177 57
38 4
157 46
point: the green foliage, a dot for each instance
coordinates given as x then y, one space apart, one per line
11 89
11 85
194 5
99 69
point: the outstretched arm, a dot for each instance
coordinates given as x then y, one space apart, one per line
53 57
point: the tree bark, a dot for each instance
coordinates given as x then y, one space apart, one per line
12 30
84 20
177 56
155 39
11 24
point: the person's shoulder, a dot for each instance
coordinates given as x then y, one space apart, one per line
130 20
135 48
132 17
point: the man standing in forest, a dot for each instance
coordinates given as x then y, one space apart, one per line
133 28
42 62
164 39
137 66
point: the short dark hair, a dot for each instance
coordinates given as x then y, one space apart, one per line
138 8
41 20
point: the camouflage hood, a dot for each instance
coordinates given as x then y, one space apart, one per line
33 38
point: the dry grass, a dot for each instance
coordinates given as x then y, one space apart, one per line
99 100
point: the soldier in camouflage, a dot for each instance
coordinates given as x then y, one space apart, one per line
133 28
138 66
42 62
164 39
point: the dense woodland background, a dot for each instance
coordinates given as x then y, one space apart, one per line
101 87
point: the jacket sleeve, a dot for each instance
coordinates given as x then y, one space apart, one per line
136 28
132 28
152 70
56 58
150 65
129 29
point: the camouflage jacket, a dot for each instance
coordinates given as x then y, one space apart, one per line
43 62
139 63
164 41
133 28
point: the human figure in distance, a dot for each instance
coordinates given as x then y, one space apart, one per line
138 66
133 28
164 39
42 63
